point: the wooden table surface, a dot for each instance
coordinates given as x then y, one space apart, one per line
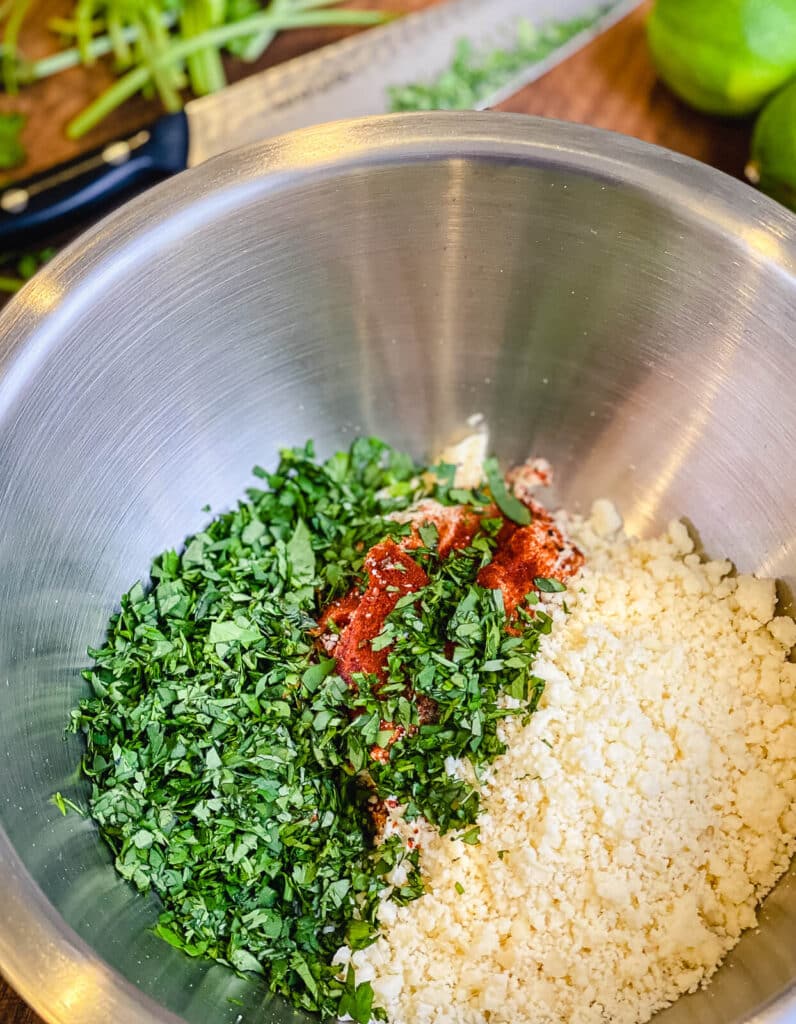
611 84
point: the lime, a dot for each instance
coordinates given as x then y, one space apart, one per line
773 161
724 56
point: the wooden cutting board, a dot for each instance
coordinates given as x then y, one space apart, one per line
610 84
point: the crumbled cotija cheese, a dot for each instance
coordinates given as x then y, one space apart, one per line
633 824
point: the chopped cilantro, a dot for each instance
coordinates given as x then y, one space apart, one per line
510 506
230 765
476 75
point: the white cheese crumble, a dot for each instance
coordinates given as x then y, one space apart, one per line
468 458
633 825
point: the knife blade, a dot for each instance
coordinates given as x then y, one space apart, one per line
348 78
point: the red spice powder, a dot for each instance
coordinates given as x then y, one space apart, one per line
525 553
391 574
456 524
338 614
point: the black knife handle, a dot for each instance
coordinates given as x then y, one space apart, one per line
62 197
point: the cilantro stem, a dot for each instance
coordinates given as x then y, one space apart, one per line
121 45
108 101
260 42
18 11
163 75
205 68
68 26
55 63
117 40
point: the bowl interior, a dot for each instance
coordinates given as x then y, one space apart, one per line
627 315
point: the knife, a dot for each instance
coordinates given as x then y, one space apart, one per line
345 79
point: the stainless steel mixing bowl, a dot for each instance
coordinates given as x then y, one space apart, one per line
627 312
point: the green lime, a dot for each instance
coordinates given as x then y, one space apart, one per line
724 56
773 160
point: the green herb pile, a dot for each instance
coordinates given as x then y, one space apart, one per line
230 764
476 75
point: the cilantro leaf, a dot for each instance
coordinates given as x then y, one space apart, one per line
548 585
239 631
429 535
506 502
301 555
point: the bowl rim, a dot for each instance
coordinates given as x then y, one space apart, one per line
40 955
